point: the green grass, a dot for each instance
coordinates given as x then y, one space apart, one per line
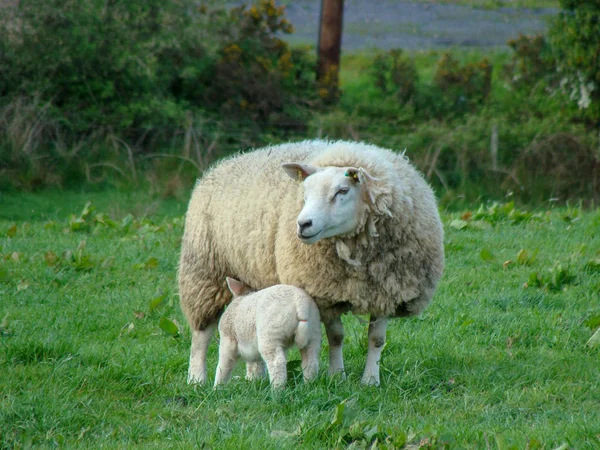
491 364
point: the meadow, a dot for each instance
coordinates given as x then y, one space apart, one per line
94 348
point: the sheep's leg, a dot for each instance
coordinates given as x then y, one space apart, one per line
228 356
200 341
310 360
255 370
335 337
276 365
377 329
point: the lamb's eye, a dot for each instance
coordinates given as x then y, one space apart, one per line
342 191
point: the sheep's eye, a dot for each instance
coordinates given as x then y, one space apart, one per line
342 191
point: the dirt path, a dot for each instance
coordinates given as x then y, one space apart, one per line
386 24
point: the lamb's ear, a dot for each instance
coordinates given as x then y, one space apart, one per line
236 287
298 171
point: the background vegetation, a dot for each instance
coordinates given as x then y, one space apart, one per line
146 93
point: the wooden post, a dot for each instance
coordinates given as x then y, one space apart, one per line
330 41
494 147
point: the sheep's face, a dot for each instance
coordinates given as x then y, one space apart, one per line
332 200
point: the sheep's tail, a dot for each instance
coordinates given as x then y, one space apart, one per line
303 329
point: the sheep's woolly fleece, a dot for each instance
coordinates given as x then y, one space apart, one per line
241 223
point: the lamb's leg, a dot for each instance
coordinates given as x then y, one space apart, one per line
228 356
335 337
377 329
276 365
200 341
310 360
255 370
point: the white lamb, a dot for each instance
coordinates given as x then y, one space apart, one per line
262 325
356 227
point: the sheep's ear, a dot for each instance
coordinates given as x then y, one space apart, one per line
297 171
379 195
236 287
360 175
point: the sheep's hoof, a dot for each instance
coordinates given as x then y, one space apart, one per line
370 380
338 374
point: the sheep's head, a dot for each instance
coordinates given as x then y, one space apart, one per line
336 200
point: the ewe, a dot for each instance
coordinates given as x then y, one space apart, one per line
358 230
262 325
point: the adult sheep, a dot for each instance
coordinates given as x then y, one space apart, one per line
356 226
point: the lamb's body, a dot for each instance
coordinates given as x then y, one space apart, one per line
262 326
241 222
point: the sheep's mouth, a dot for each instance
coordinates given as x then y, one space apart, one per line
309 238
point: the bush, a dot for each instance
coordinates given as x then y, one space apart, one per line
78 76
576 44
531 62
465 87
395 73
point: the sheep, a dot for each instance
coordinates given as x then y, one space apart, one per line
354 225
261 326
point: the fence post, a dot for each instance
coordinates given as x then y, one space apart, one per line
494 146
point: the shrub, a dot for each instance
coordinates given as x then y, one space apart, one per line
395 73
465 86
531 61
576 44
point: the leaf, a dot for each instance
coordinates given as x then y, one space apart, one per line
168 326
12 230
507 263
156 302
87 209
534 279
281 434
23 285
594 341
593 265
344 412
150 263
593 322
51 258
522 256
486 255
458 224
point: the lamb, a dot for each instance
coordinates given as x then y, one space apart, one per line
261 326
354 225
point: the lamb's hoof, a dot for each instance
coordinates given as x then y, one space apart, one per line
370 380
196 378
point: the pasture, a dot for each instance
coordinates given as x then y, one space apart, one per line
94 348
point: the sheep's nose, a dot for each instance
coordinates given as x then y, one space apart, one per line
304 224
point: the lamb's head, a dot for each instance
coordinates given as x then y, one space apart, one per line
336 200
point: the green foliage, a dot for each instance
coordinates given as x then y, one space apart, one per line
531 62
576 45
455 89
395 73
465 86
124 79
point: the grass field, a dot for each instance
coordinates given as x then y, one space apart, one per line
94 348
